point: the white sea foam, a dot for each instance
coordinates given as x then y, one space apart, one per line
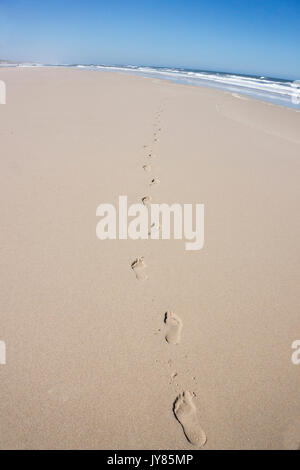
269 89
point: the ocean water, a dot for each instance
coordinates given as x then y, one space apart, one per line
273 90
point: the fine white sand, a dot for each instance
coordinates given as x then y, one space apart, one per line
108 340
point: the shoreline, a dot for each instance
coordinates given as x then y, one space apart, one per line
237 91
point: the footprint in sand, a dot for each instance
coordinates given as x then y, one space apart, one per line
154 181
185 412
146 200
147 167
154 228
174 323
138 266
173 377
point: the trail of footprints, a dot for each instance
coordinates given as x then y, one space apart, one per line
184 409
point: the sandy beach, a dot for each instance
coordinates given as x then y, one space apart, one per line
89 364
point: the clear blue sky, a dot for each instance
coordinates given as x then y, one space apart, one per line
250 36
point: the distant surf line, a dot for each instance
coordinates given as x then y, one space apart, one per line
278 91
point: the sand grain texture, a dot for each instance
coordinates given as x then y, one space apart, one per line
81 331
